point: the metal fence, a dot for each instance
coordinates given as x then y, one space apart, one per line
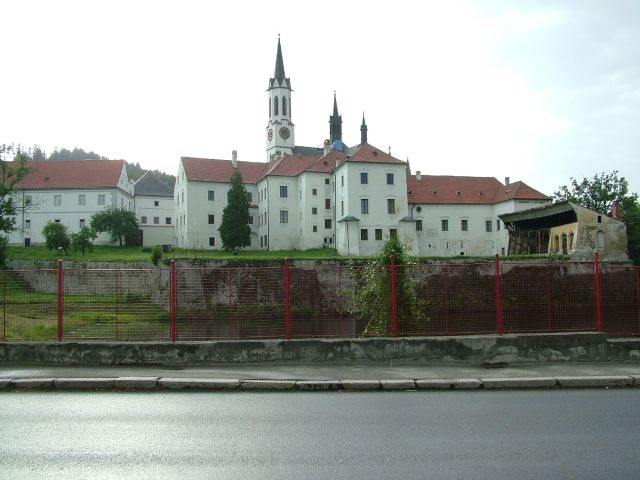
318 301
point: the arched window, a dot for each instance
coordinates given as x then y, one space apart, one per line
556 244
565 247
269 115
284 105
571 240
275 105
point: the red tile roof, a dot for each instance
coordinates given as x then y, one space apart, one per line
441 189
289 165
210 170
371 154
72 174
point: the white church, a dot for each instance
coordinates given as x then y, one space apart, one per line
351 198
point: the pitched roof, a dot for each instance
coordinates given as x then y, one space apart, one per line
152 186
72 174
439 189
211 170
370 154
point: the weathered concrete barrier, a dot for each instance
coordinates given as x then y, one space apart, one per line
491 350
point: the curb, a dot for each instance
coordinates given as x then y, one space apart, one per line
228 385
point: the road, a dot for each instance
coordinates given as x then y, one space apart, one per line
566 434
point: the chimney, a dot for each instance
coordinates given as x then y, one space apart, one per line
506 180
418 175
234 159
615 209
327 147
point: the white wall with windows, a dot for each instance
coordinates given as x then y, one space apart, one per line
155 216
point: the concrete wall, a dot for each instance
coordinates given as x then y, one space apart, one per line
471 350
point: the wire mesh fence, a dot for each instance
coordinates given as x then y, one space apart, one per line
318 300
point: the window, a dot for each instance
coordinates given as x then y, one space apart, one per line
211 195
167 220
314 191
418 225
342 180
315 228
314 210
378 234
364 234
284 216
156 203
143 219
156 220
389 178
497 225
182 197
283 191
57 220
488 225
261 242
82 200
327 203
327 223
364 178
250 220
82 223
212 219
101 199
284 105
364 206
275 105
393 233
326 181
391 205
57 200
342 207
464 225
212 241
249 197
445 225
28 200
27 224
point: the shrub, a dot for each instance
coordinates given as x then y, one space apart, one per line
56 236
83 240
156 254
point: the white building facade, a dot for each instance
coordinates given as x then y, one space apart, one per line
68 192
353 199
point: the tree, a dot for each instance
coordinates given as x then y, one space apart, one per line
75 154
119 223
83 240
599 193
56 236
11 173
369 297
234 229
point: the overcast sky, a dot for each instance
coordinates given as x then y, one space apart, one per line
536 91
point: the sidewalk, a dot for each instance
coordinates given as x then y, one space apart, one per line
270 377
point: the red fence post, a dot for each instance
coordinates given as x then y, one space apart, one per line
117 301
549 300
4 305
597 291
637 269
339 298
499 324
394 297
446 299
172 301
60 300
229 313
287 298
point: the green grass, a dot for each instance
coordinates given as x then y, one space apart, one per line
106 253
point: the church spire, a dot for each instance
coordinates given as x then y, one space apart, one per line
363 131
335 122
279 73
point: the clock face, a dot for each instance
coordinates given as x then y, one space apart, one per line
270 134
284 133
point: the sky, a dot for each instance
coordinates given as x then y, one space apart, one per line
538 91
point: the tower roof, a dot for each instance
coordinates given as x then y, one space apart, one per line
279 79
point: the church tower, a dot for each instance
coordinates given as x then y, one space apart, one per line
335 123
280 129
363 131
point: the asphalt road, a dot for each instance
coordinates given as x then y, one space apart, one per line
565 434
